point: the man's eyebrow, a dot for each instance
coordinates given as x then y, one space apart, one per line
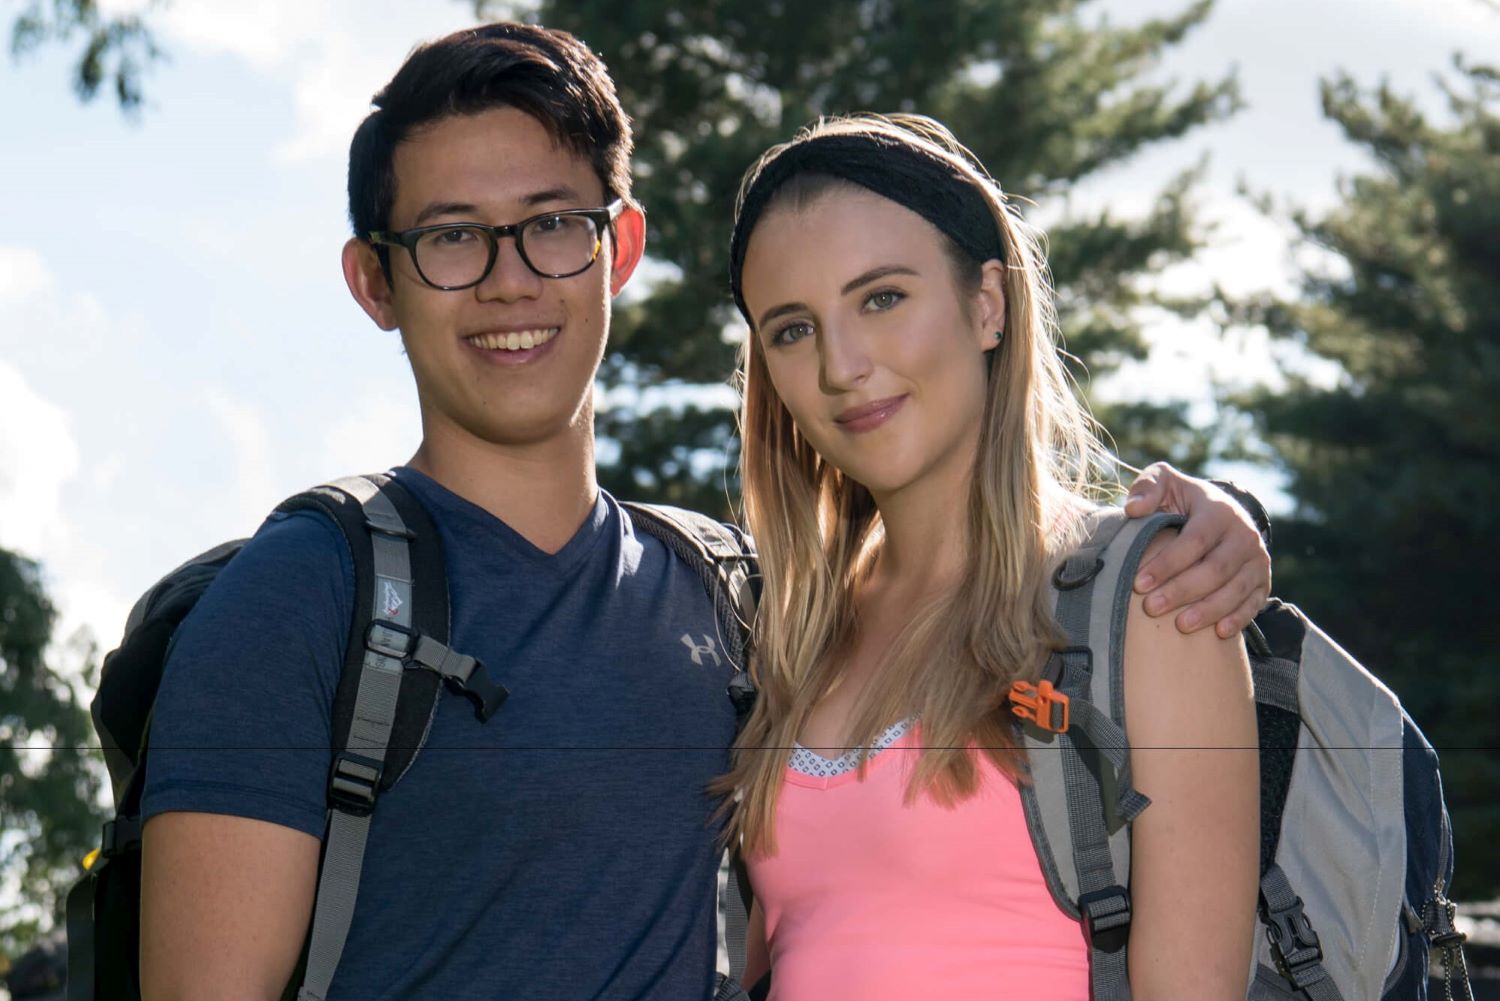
436 209
874 274
559 193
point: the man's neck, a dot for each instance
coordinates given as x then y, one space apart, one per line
544 491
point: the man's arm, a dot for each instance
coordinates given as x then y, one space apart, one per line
225 905
1218 570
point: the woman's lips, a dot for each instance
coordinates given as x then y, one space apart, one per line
869 416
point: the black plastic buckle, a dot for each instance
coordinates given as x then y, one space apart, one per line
119 835
383 637
1075 666
1105 910
354 783
1295 946
487 694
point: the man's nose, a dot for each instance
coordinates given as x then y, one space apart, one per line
511 278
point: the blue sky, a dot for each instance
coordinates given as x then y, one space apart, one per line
177 348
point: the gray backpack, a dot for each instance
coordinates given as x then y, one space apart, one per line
1356 848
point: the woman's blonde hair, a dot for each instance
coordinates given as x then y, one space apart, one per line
818 531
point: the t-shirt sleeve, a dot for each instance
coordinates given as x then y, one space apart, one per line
243 718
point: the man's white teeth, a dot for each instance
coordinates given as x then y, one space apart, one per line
519 340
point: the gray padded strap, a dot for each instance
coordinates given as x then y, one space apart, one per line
1294 943
1103 905
358 770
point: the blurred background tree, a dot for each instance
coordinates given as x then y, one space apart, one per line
118 48
1045 96
49 779
1395 467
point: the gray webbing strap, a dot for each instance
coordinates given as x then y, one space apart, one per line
1103 904
440 658
357 770
1276 683
1294 943
736 922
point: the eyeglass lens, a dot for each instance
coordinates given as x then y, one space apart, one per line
551 245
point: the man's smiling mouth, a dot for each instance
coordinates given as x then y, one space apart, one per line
516 340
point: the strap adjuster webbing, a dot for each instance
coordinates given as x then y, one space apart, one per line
1105 910
354 783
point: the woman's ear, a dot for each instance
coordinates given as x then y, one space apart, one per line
989 306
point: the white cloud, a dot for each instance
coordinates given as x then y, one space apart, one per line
48 416
375 430
38 456
251 463
334 54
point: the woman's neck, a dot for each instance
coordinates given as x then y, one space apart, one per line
925 545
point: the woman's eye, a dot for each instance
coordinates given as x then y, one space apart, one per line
791 333
884 299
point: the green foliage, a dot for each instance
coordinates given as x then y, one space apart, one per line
1396 468
117 49
1044 96
48 784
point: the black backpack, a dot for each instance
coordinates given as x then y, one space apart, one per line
398 660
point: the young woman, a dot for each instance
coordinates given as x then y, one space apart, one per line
914 463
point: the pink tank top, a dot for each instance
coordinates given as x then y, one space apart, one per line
873 899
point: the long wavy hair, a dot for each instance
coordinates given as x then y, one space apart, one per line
1039 461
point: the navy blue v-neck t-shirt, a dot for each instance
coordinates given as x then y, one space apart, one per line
562 850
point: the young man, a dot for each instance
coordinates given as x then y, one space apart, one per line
564 848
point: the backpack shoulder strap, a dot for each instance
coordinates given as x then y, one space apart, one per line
397 655
1081 801
724 559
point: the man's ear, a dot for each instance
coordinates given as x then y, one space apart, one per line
989 306
629 245
367 282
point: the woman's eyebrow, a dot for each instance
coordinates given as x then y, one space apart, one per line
875 274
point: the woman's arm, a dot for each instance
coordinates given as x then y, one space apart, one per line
1195 851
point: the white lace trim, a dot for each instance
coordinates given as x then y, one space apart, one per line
814 765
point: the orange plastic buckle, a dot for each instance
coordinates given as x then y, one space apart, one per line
1041 704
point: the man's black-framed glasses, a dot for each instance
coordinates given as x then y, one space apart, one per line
459 255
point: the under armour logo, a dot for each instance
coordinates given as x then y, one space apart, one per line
390 598
699 652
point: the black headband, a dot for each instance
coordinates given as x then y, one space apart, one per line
908 176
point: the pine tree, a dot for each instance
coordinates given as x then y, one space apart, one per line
1395 469
1042 95
49 784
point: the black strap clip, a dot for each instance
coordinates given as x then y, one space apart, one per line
1295 946
354 783
120 835
1105 910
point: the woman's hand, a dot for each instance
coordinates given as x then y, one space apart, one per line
1216 570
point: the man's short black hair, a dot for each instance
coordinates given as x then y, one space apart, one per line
548 74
